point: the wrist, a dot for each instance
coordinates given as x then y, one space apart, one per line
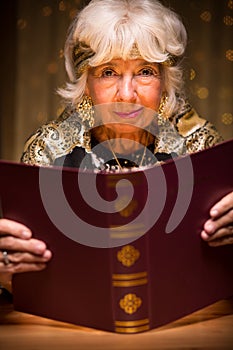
5 285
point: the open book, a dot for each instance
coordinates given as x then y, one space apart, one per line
127 252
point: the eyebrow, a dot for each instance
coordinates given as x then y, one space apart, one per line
152 64
110 64
148 63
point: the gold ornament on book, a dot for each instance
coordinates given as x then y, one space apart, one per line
128 255
127 210
130 303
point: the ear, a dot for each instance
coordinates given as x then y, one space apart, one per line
86 91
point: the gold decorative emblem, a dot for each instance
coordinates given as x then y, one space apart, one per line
124 208
128 255
130 303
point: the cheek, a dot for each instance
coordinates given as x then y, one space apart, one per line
100 98
98 94
151 96
157 99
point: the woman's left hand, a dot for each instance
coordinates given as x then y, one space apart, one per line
218 230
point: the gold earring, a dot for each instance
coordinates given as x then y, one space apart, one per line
162 105
86 111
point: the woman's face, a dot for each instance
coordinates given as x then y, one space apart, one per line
126 94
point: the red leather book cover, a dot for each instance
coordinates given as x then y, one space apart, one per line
127 252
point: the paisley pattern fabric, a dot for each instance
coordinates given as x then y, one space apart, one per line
54 139
186 132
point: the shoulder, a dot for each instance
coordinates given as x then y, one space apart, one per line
54 139
186 132
198 132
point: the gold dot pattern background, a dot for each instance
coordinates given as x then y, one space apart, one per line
32 65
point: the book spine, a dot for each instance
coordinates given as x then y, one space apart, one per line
129 263
130 287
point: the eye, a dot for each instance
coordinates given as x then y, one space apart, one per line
148 72
108 72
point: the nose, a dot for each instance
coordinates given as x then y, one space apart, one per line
126 89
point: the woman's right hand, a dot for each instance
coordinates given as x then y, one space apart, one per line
19 252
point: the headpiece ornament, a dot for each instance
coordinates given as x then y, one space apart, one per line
82 54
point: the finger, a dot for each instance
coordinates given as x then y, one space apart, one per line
211 226
221 241
14 228
221 233
19 257
21 267
225 204
32 245
22 262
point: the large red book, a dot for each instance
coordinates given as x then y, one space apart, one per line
127 252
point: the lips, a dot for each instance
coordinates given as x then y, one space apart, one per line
130 114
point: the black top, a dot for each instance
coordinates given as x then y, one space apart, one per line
101 158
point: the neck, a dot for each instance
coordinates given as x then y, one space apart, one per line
123 142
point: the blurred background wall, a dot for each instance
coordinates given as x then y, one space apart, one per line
32 67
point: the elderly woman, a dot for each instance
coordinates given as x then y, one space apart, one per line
125 109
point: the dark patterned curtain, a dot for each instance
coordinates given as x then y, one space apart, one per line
32 67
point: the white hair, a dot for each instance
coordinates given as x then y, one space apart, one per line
111 27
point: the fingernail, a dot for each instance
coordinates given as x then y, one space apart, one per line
214 212
26 234
47 254
204 235
40 248
209 227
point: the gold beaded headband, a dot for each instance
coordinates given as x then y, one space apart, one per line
82 54
171 61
